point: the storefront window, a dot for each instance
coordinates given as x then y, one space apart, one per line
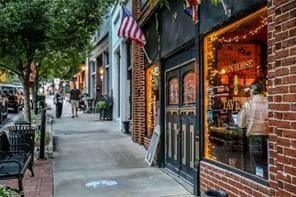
235 98
152 97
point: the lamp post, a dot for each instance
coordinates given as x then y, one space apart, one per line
64 87
36 90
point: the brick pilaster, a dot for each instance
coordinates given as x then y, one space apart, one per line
138 86
282 96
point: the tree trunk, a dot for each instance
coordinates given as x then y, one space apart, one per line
27 110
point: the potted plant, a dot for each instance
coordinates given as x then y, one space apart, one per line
101 105
104 106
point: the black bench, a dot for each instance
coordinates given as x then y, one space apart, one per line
22 134
13 164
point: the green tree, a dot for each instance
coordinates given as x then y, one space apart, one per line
52 33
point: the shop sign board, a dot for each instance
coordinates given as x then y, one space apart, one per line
153 146
242 59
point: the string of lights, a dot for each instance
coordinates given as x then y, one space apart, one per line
263 23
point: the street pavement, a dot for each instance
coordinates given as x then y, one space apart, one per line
92 158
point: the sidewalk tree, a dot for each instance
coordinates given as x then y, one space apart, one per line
34 31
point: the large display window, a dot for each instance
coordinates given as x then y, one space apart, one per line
236 130
152 98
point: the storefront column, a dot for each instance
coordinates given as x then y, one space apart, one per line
282 96
138 89
124 86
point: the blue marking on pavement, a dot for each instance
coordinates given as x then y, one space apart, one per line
95 184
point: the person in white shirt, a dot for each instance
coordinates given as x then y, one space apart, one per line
254 118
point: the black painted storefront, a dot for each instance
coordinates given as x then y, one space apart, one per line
179 51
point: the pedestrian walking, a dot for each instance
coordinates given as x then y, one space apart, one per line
58 101
74 99
253 116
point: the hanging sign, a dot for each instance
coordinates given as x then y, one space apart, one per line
238 58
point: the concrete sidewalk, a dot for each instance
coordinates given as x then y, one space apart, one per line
93 158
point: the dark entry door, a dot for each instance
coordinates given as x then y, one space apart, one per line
181 132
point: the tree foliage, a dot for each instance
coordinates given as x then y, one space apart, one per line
54 33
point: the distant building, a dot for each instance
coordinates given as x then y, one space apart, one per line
99 74
80 79
121 68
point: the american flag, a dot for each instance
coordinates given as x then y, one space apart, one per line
130 29
191 9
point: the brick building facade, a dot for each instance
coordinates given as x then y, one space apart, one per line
139 80
138 89
281 74
282 96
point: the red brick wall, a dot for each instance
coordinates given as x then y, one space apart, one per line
213 177
138 77
138 89
282 96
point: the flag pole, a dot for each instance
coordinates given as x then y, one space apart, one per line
146 55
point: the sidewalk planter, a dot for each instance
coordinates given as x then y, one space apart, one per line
105 107
126 126
215 193
106 114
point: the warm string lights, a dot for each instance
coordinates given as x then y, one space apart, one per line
214 38
263 23
149 99
152 83
211 56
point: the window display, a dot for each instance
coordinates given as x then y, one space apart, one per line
152 97
235 98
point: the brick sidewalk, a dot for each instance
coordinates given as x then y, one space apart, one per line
38 186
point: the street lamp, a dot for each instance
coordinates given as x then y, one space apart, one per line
64 87
36 89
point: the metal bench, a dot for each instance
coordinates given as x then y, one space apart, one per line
22 134
13 164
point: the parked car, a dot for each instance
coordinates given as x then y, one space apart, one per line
21 88
15 97
3 106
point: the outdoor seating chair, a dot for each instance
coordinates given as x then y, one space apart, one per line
13 164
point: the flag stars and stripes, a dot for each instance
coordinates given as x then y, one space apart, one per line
129 28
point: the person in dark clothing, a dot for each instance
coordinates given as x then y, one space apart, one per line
74 99
58 101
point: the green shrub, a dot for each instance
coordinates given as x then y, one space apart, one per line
34 118
5 192
38 136
102 105
20 119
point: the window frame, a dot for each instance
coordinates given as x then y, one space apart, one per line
203 107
